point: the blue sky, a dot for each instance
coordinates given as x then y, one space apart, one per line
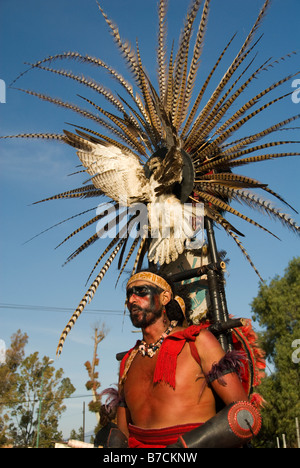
37 295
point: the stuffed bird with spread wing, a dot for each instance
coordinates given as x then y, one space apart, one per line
163 147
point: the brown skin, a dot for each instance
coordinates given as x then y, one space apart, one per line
158 405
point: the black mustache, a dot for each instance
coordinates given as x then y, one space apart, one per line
134 308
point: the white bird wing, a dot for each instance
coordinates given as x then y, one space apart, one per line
172 228
117 172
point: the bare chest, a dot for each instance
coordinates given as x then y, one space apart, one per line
140 377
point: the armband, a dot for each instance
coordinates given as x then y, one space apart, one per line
122 403
231 362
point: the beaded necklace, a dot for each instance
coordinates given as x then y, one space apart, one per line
150 349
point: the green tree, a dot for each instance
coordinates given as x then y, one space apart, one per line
76 435
13 358
21 395
277 309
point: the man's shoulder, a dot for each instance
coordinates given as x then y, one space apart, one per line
194 328
205 337
208 345
195 331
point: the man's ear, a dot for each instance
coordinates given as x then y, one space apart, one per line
165 296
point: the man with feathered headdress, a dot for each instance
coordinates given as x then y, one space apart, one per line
169 380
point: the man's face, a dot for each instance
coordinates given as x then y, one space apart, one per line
144 303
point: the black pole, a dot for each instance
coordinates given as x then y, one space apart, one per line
83 422
216 288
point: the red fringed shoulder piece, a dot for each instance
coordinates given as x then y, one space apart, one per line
165 369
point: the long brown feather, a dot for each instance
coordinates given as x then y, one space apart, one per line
161 49
87 298
181 60
195 58
227 133
246 141
224 206
201 94
125 47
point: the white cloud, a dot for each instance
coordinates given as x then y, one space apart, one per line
36 160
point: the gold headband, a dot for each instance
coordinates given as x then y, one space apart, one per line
158 281
151 278
181 303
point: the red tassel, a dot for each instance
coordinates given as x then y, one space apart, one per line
165 369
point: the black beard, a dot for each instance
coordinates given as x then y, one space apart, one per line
142 318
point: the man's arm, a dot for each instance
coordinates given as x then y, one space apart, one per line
224 381
123 419
239 421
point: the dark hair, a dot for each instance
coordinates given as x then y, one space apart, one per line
107 414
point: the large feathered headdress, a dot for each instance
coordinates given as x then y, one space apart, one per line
162 147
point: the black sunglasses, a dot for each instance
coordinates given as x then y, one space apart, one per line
142 291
